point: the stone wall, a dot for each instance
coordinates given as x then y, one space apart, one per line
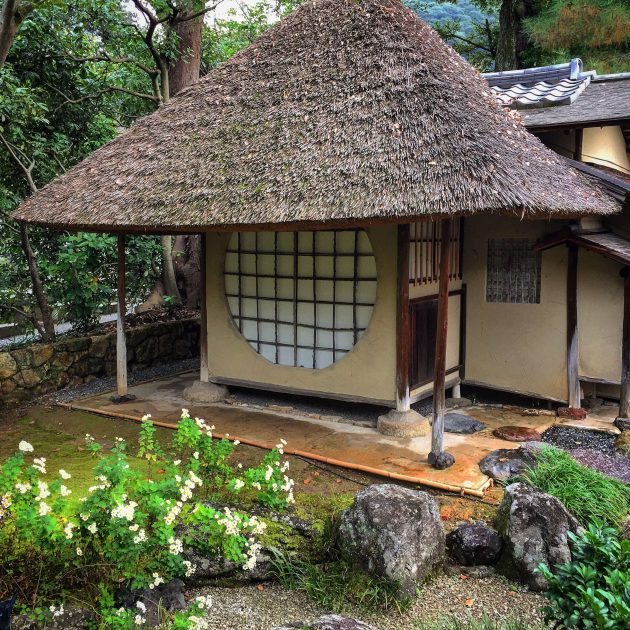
39 369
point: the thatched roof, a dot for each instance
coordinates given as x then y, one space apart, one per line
346 111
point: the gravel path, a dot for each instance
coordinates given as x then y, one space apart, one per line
569 438
108 383
594 449
247 608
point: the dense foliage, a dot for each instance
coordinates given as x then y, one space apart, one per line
586 493
133 525
592 591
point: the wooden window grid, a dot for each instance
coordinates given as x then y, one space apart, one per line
513 271
424 251
325 312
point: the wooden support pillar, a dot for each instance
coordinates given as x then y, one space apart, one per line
402 320
437 456
573 376
624 400
121 341
203 313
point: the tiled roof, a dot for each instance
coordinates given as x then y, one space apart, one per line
539 87
563 95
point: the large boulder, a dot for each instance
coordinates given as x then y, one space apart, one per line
395 533
534 526
474 544
327 622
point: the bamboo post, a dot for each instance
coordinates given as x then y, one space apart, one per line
624 399
439 377
573 376
203 313
121 342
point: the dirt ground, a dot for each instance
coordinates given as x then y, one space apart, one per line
58 434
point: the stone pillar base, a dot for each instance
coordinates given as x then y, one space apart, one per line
403 424
205 393
441 461
119 400
572 413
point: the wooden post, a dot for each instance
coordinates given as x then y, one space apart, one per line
402 320
121 342
573 376
203 314
624 400
439 377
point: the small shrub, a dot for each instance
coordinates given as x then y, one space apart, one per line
338 586
588 494
130 528
592 591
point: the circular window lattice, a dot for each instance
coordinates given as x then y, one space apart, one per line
301 298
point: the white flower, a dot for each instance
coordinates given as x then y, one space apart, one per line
39 464
125 511
79 551
55 612
25 447
134 528
268 473
44 509
157 580
237 442
196 454
92 528
239 465
23 488
84 517
65 492
139 620
44 492
146 417
140 605
140 537
175 546
67 530
190 569
177 462
238 484
64 475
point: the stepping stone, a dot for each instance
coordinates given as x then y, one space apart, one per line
514 433
506 462
458 403
460 423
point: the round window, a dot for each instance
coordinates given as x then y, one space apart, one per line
301 299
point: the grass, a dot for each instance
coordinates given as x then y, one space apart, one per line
588 494
337 586
485 623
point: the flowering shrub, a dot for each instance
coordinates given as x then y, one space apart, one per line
129 528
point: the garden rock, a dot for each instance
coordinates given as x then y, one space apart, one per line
474 544
461 423
515 433
623 424
327 622
507 462
169 597
72 618
534 526
206 569
622 443
395 533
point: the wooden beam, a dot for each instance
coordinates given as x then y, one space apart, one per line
573 376
624 400
439 392
203 312
402 319
121 341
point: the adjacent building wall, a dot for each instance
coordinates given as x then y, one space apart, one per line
368 371
605 146
517 347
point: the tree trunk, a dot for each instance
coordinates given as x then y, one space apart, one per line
168 268
184 71
506 42
9 22
47 329
512 40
